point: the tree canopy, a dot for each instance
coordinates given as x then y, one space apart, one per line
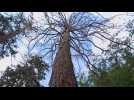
63 41
28 74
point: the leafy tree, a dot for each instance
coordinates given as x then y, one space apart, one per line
27 75
118 74
119 71
12 26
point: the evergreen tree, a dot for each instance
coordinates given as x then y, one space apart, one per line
27 75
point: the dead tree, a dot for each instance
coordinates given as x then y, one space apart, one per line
64 38
63 73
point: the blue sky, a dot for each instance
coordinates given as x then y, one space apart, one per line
22 50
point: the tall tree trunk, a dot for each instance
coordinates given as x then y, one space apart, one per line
62 71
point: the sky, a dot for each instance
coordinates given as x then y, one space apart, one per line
8 60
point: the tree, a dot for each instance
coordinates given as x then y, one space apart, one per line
12 26
67 37
64 37
117 74
119 71
27 75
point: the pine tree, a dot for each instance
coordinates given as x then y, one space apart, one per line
27 75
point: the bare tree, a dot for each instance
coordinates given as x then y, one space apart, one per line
66 37
62 37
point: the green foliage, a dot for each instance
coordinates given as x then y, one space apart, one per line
9 24
118 75
27 75
84 81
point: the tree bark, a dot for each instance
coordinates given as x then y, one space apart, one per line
4 37
62 71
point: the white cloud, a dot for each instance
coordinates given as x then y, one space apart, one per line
119 21
4 63
38 15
